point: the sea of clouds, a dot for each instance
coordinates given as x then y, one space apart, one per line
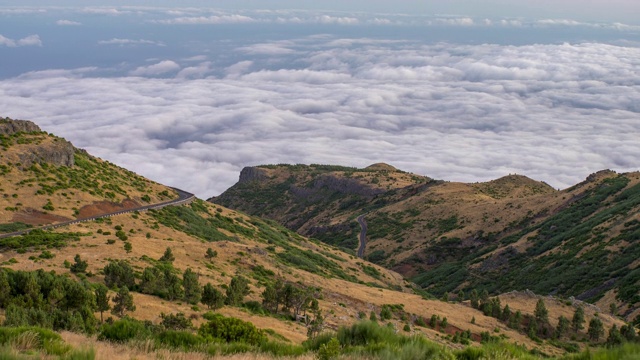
461 112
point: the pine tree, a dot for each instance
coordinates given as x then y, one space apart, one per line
628 332
128 247
596 329
506 313
562 327
615 338
102 300
474 298
460 296
270 299
167 256
173 285
79 265
516 320
541 313
577 322
123 301
237 290
211 254
192 289
212 297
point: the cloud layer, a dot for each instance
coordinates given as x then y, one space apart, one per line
456 112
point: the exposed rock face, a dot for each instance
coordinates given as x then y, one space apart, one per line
58 153
251 173
10 127
55 151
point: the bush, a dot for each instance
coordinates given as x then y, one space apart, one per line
123 330
231 330
8 335
330 350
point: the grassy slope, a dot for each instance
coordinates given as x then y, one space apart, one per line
246 245
26 190
501 235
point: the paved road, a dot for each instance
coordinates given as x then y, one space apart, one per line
363 236
183 198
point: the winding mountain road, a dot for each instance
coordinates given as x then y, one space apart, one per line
363 236
183 198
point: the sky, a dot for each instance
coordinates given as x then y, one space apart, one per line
457 90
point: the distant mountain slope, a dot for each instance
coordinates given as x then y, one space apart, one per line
512 233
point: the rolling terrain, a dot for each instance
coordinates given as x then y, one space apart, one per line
513 233
46 181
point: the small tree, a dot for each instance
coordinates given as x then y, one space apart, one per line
211 254
167 256
613 308
506 313
474 299
128 247
372 316
541 313
433 321
102 300
443 324
628 332
563 326
212 297
192 289
460 296
577 322
123 301
79 265
615 338
596 329
237 290
316 325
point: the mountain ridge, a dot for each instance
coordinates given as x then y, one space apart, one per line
448 236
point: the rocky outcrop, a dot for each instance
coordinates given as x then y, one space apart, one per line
48 149
251 173
59 153
10 127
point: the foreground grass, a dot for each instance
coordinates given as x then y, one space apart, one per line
364 340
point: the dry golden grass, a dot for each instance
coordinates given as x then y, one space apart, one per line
341 300
145 351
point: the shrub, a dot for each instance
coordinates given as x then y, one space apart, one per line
123 330
231 330
330 350
179 339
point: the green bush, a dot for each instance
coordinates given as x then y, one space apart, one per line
123 330
179 339
231 330
9 334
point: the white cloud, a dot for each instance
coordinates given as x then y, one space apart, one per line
103 11
456 112
215 19
124 42
67 23
160 68
31 40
